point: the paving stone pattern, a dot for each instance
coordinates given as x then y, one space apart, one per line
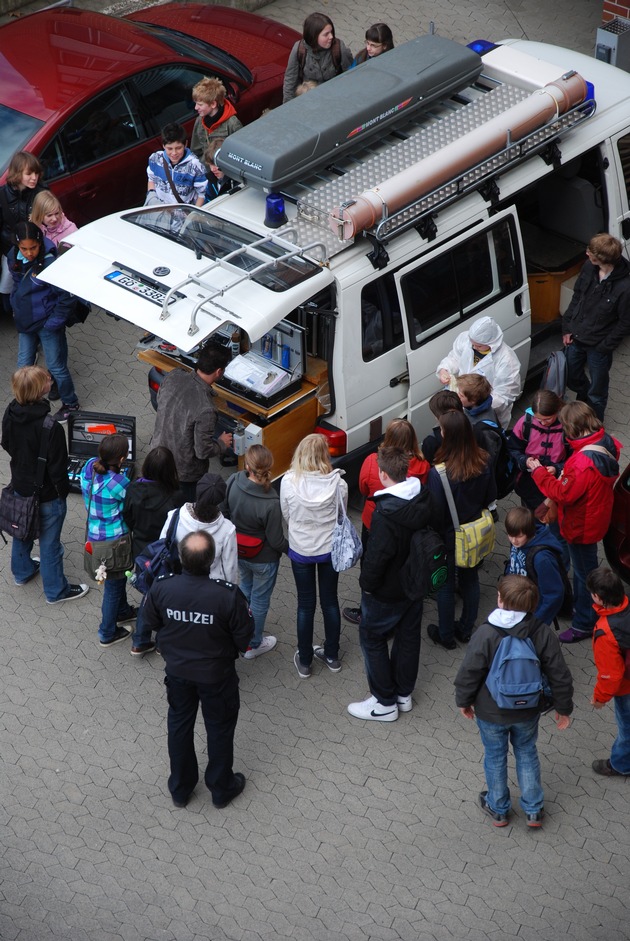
346 830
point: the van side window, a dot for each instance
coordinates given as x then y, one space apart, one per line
381 322
623 146
461 281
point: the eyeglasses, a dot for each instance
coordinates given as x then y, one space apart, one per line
374 45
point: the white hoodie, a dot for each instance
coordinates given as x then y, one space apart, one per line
223 532
506 619
309 505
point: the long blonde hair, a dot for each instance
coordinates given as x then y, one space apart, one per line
44 203
311 455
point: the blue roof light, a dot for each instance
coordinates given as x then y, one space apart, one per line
481 46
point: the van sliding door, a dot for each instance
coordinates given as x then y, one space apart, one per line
479 273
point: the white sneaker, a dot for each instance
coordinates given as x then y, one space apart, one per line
371 708
405 704
267 643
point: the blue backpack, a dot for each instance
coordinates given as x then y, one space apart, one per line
158 558
515 679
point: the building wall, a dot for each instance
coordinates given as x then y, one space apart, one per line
612 8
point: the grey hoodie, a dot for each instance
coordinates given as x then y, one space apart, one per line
256 512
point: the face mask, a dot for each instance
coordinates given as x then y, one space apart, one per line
20 256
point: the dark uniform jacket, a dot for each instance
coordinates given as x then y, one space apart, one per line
470 682
202 624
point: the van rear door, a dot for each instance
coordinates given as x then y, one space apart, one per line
479 273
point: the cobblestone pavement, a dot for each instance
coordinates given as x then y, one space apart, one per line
346 830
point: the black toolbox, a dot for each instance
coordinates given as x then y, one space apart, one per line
86 430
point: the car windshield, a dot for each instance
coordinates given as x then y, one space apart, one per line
213 238
185 45
17 128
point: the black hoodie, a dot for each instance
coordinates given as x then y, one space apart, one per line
21 436
394 521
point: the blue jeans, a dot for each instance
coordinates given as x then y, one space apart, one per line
305 575
620 754
593 391
258 580
140 634
496 741
114 605
220 703
52 513
395 674
55 347
584 559
468 580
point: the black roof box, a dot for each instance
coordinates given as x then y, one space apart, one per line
310 131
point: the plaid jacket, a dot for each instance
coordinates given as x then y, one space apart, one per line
106 507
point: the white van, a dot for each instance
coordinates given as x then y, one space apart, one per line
467 184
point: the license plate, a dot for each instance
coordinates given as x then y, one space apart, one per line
137 287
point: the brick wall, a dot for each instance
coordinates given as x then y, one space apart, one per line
614 8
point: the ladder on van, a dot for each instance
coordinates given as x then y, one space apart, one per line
441 125
247 263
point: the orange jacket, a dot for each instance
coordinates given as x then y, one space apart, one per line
611 638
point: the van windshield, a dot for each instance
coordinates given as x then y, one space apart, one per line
213 238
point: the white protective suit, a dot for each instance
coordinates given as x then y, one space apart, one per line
500 366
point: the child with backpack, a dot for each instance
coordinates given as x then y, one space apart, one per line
475 394
536 553
500 684
611 642
539 436
148 500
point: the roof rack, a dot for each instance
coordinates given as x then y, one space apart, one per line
444 123
256 249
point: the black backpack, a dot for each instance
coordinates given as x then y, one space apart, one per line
566 610
505 467
425 570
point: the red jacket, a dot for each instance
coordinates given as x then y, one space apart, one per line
584 492
610 637
369 481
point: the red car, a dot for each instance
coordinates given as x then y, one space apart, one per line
88 93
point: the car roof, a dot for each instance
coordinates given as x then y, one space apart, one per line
256 40
52 58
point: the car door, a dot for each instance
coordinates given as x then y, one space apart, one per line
479 273
96 163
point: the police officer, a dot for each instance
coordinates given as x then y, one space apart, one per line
202 625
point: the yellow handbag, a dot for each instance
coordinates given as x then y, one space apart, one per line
474 540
